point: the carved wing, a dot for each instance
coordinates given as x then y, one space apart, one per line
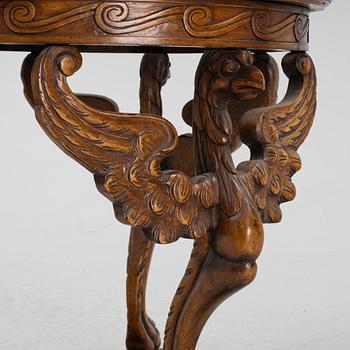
124 152
274 135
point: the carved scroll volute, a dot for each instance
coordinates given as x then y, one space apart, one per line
141 331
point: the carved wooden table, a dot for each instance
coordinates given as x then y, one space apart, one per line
165 186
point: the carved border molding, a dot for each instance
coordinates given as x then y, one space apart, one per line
171 23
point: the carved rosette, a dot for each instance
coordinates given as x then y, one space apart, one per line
166 23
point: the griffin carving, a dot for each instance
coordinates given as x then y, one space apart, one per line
169 187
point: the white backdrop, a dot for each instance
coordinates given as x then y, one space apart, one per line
63 256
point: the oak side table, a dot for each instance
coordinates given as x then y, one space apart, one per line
164 185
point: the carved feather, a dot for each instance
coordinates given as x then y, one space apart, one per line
274 135
124 152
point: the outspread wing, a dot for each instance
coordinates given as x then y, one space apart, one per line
274 135
124 152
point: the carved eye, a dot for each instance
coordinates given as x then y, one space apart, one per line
229 67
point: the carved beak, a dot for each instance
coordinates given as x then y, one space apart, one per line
249 83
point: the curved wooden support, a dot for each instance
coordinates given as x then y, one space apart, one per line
97 101
26 75
214 280
154 73
214 273
142 333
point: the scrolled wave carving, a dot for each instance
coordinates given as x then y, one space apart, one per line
197 18
112 18
264 29
19 16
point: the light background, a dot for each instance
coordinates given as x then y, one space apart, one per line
63 256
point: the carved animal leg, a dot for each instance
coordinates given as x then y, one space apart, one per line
219 267
142 332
